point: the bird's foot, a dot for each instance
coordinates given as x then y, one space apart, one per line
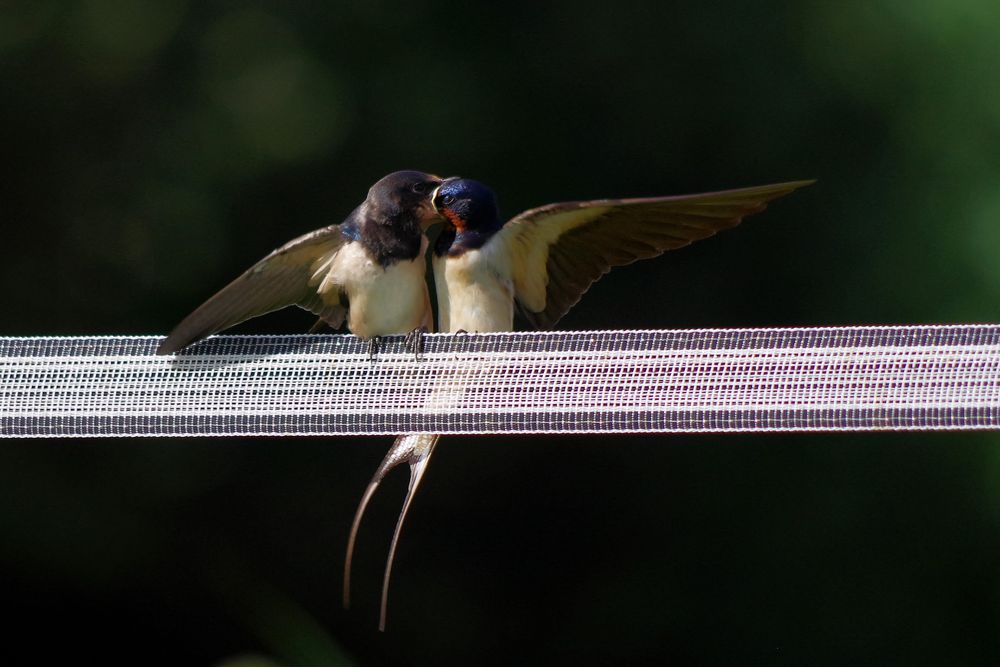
373 345
415 342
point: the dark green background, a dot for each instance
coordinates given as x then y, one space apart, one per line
154 149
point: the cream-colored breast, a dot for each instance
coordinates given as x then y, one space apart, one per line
381 300
475 292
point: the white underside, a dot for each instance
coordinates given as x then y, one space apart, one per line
381 300
475 292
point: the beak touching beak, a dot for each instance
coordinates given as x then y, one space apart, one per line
445 215
434 198
428 213
434 195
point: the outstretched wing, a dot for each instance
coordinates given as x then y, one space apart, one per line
558 251
292 274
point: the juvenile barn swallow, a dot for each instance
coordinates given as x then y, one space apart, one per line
369 269
540 263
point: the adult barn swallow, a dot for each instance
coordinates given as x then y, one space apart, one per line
541 262
369 269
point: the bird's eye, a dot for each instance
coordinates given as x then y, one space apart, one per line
448 200
420 188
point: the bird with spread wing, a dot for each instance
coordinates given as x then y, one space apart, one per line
540 263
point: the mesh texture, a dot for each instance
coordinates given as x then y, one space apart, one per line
802 379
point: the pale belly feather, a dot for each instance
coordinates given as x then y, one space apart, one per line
381 301
473 294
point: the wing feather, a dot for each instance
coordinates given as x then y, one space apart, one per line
292 274
558 251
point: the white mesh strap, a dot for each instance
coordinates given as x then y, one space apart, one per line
855 378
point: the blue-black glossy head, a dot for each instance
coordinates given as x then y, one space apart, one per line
468 206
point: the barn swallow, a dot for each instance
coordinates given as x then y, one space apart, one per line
540 263
543 260
369 269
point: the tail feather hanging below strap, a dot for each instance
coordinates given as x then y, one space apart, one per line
808 379
414 449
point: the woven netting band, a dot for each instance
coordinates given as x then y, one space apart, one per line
817 379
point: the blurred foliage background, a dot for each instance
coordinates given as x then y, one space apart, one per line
153 149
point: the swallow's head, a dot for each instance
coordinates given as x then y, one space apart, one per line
468 206
404 194
471 215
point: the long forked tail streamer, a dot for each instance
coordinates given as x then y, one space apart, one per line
414 449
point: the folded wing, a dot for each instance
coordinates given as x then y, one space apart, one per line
558 251
292 274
